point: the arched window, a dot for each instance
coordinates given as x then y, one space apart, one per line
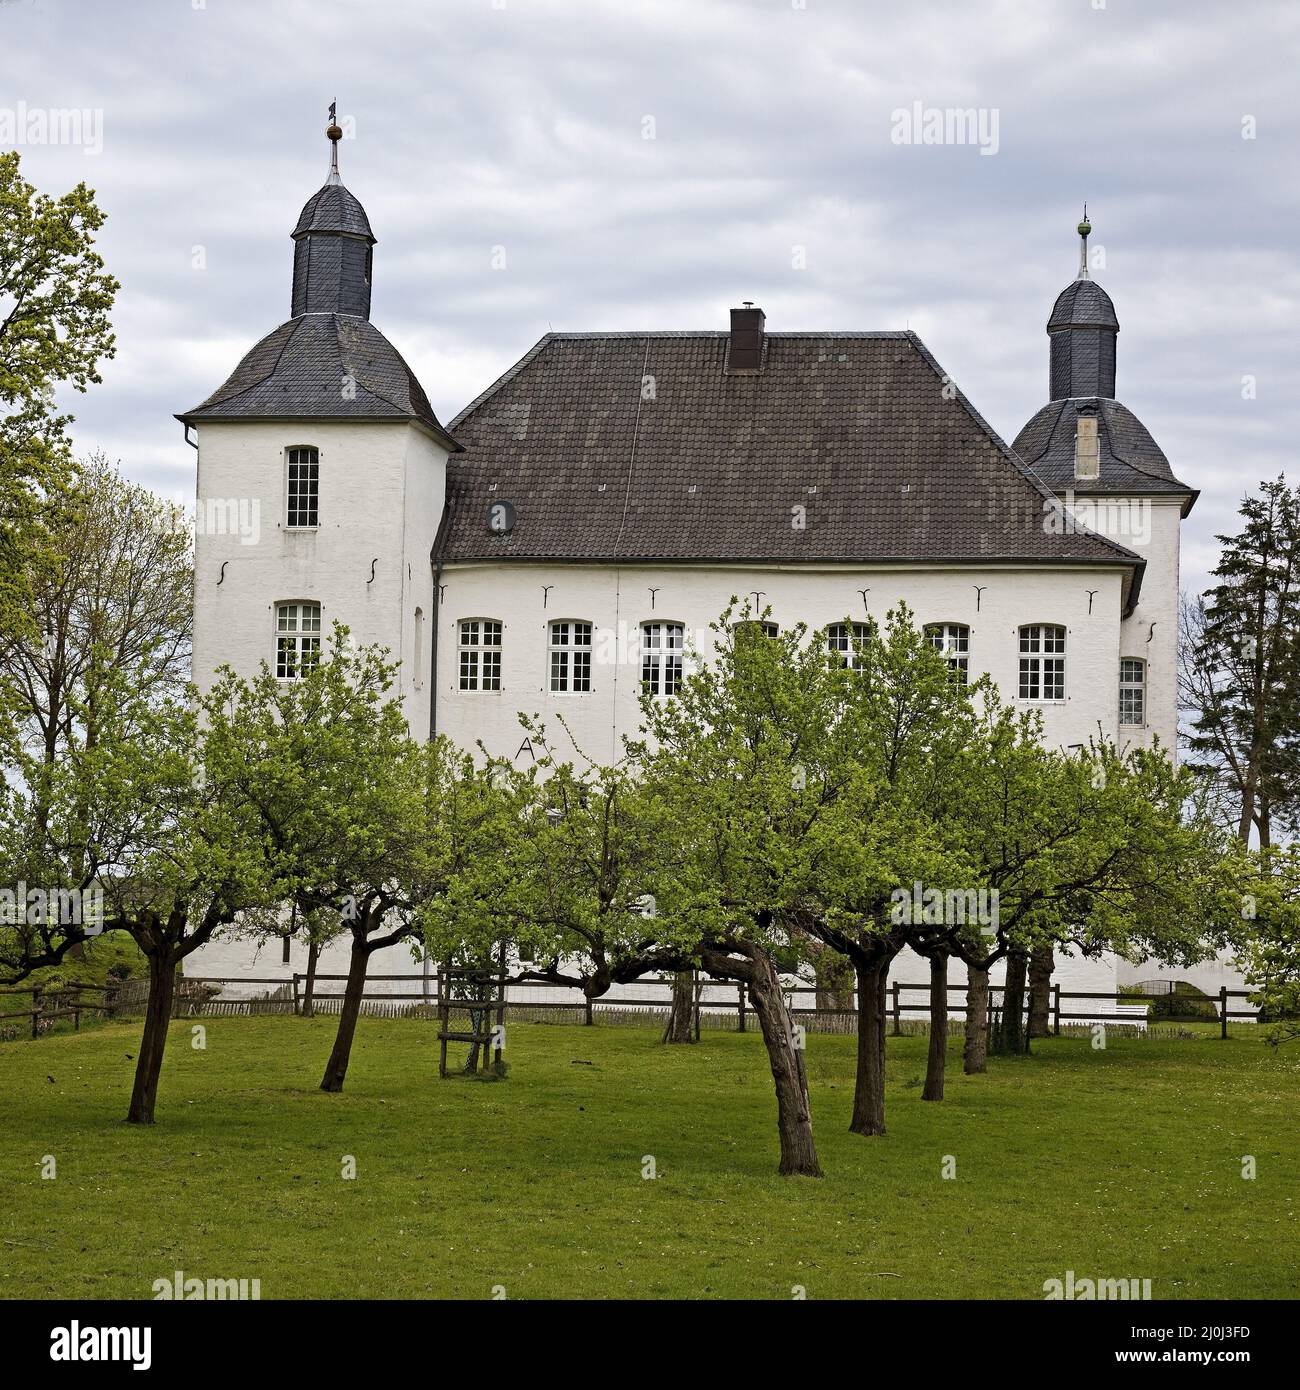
480 654
570 658
661 657
297 639
419 648
762 625
302 487
845 640
952 642
1042 663
1132 691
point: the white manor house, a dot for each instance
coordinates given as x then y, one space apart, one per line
565 536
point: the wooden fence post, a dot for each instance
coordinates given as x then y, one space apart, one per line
695 993
1223 1011
295 994
1056 1010
898 1013
36 1008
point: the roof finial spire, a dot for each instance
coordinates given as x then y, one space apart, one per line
1084 228
335 134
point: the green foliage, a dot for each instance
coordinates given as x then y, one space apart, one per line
55 297
1241 664
1268 939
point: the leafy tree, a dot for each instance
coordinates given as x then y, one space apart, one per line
1267 938
361 827
111 602
1240 672
55 298
144 819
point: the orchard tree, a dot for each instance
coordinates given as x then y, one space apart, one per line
141 829
362 827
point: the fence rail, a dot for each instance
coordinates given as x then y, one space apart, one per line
716 1004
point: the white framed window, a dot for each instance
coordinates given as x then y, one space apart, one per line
662 645
1042 663
763 625
297 639
569 654
845 639
1132 691
302 487
419 648
480 654
952 642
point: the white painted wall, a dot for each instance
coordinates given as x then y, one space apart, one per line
381 496
526 598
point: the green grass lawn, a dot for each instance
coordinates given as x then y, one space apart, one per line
1123 1163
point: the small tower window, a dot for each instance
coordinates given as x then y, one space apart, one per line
952 642
419 648
303 487
297 639
480 654
661 657
1132 691
1042 663
570 654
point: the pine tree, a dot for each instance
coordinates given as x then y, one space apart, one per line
1241 664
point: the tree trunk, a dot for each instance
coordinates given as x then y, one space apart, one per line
681 1014
1041 964
309 994
1011 1036
869 1085
938 1055
337 1067
833 979
157 1015
975 1055
793 1115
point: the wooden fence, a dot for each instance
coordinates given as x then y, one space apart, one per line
716 1004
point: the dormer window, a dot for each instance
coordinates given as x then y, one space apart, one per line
303 489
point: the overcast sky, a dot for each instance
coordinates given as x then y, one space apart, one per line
520 126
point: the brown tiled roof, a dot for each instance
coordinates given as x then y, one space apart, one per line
642 447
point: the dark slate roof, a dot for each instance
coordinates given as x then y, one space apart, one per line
296 372
333 209
1083 304
854 427
1131 461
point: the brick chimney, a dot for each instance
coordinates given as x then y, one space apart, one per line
1087 447
745 349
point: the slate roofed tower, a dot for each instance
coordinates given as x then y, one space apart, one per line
333 243
1082 329
321 476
